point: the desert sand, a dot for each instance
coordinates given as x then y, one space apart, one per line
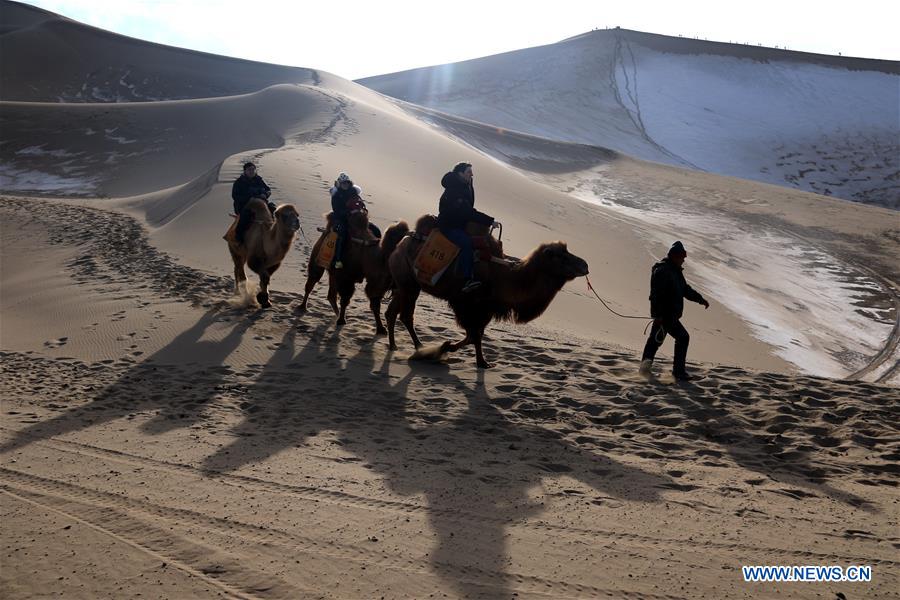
159 441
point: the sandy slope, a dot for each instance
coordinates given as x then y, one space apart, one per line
157 441
99 150
268 455
812 276
168 153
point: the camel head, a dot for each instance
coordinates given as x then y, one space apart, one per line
287 217
554 258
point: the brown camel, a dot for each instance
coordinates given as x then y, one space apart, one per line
266 242
513 290
364 258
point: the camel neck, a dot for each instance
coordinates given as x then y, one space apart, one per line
530 292
281 237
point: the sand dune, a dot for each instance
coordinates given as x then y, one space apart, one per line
156 440
180 145
128 149
816 123
60 60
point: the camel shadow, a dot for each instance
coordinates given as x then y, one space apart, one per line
432 435
179 392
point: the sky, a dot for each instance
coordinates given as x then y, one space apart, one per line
356 39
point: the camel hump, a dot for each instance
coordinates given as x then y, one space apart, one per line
392 237
231 235
426 224
260 210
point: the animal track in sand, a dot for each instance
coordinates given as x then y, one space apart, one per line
57 343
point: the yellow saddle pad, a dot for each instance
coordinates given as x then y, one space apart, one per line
326 250
434 258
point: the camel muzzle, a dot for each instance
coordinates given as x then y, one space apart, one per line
581 268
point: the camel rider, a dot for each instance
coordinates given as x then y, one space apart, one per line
246 187
668 290
344 195
457 208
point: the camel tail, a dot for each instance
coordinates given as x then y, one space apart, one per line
392 237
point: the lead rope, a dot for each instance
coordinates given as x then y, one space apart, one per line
650 319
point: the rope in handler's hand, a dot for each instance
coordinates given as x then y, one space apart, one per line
593 291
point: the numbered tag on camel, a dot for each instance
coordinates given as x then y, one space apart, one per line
434 258
326 250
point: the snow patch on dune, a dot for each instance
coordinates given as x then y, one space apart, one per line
34 181
803 302
822 129
41 151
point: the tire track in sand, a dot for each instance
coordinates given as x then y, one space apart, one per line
119 516
203 562
338 498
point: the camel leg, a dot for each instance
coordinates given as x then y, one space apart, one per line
393 309
240 277
375 297
406 316
345 290
313 275
479 354
332 293
453 347
263 296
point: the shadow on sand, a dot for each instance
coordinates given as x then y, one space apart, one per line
427 433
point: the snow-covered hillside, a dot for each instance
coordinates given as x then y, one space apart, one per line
829 125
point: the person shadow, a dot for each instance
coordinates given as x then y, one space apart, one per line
429 434
179 392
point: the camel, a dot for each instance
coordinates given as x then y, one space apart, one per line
266 242
514 290
364 258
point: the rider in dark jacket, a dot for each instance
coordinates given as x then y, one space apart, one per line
456 209
668 290
342 194
246 187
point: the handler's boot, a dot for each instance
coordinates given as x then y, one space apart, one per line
645 370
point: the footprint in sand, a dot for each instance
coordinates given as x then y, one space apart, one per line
57 343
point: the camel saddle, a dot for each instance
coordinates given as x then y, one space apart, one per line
326 250
434 257
437 253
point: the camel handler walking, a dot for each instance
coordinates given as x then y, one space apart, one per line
668 289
